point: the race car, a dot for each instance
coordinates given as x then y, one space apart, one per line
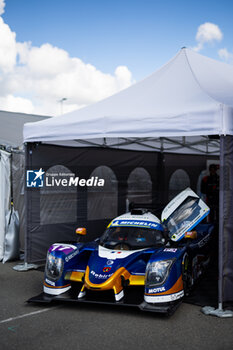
138 261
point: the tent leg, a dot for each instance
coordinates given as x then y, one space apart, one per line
25 267
219 312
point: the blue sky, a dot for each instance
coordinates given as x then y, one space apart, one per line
138 35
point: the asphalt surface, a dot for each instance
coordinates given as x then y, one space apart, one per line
77 326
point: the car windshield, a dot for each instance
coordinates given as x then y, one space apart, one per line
183 216
127 238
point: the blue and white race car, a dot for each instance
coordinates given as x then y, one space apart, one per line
138 261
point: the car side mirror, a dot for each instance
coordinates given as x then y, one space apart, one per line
191 234
81 231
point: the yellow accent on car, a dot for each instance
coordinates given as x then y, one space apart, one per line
114 282
137 280
191 234
75 276
109 224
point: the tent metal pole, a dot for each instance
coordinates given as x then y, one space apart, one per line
221 223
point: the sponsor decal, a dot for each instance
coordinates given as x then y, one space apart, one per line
100 276
72 255
110 262
138 223
49 282
172 250
156 290
65 248
106 268
35 178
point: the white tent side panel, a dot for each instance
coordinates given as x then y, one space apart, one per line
4 195
226 220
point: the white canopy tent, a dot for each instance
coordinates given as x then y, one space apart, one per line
176 109
189 96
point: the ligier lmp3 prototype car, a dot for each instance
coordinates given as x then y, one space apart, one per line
138 261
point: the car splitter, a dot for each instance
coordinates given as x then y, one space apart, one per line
163 308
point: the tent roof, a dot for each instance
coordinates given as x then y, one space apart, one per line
11 127
190 95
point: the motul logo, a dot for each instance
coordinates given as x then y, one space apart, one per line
157 290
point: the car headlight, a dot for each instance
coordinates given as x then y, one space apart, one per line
157 272
54 267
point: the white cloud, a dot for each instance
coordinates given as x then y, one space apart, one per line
207 33
8 50
46 74
46 61
123 76
225 55
2 5
51 74
16 104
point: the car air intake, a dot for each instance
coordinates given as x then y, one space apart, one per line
138 211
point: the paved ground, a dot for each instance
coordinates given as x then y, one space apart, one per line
32 327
